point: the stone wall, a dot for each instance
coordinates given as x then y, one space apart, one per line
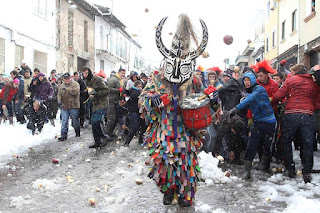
72 38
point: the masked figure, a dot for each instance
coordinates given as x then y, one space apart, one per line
172 146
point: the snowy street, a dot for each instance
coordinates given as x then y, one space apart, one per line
30 182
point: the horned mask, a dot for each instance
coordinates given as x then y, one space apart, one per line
179 61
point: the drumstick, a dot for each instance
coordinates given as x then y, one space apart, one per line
204 96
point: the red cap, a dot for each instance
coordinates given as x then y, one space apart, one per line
283 62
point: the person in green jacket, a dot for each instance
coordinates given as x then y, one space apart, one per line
98 92
116 88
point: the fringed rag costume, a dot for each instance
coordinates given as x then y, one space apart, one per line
173 147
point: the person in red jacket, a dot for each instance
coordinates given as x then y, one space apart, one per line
315 73
300 93
6 95
263 70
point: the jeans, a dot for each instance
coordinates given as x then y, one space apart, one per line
96 120
111 118
262 133
65 114
9 108
303 125
88 109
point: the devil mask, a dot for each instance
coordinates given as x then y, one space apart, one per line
179 62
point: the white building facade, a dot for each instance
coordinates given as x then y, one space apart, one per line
114 46
28 32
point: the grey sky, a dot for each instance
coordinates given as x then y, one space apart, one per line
234 17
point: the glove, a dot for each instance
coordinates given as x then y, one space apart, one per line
233 111
250 122
50 98
91 91
160 101
165 100
120 89
211 91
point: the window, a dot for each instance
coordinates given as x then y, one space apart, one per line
267 44
310 7
101 37
40 8
2 55
111 42
121 48
283 36
274 39
313 5
19 55
125 50
294 16
40 61
102 65
86 43
117 44
70 28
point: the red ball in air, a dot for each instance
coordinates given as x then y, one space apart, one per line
228 39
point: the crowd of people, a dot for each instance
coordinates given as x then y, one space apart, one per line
257 110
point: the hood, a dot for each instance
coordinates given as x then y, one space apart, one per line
252 78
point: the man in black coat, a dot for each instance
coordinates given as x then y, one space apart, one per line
37 117
230 128
230 94
122 117
83 97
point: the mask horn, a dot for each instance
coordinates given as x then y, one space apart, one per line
162 49
196 53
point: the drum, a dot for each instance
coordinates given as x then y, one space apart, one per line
196 114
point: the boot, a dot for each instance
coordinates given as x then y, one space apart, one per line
126 144
265 163
52 122
95 145
10 118
77 133
307 177
62 138
291 173
167 198
247 169
183 202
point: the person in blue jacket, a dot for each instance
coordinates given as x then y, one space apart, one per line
263 126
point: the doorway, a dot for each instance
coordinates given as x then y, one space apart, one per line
81 63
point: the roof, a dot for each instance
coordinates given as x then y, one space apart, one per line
89 6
